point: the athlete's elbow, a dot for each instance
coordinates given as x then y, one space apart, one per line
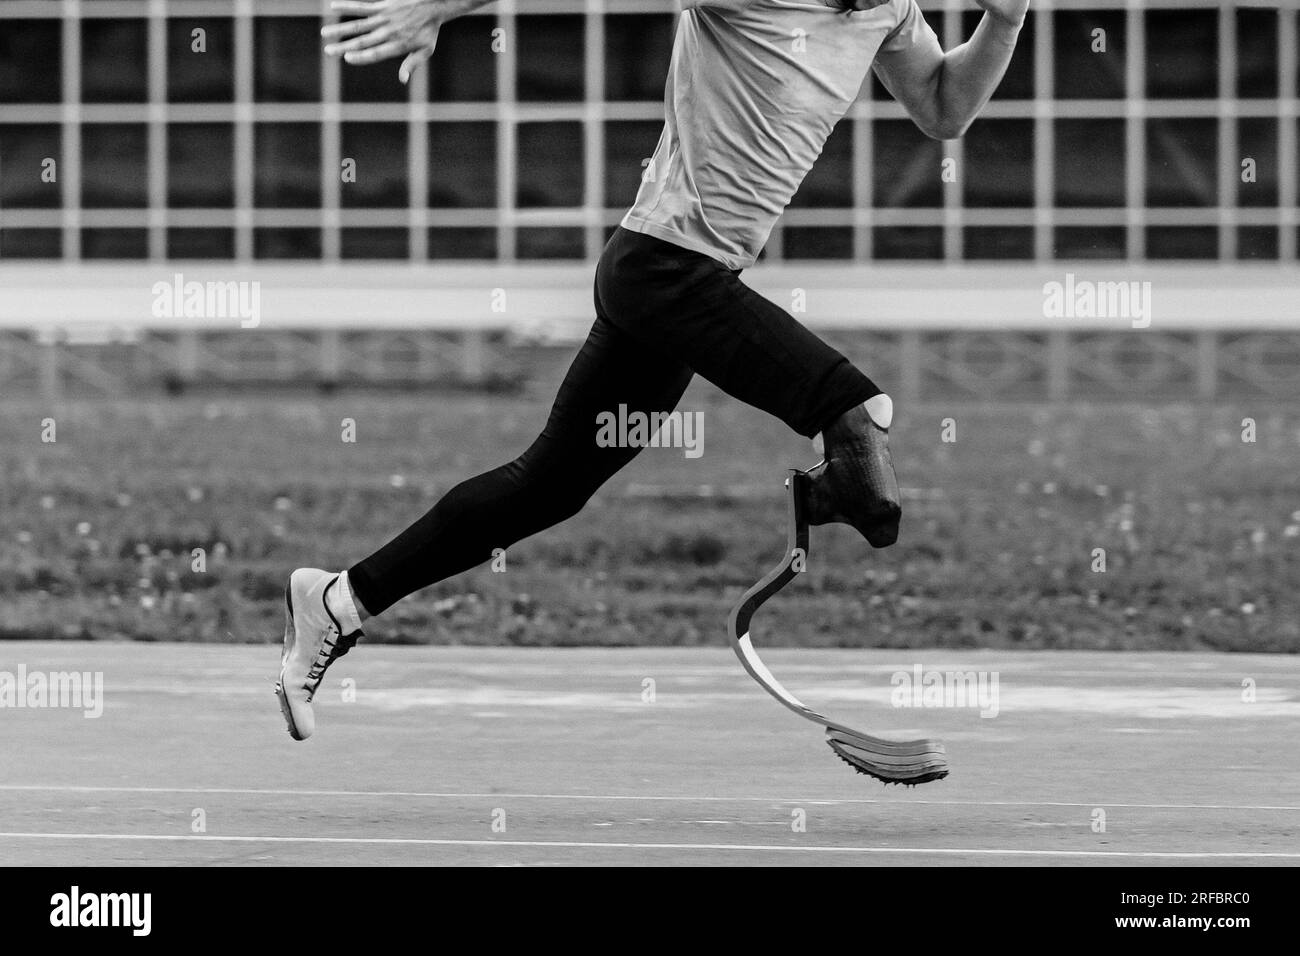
946 127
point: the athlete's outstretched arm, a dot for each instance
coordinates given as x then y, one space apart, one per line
391 28
944 92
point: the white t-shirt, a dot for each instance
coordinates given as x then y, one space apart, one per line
754 89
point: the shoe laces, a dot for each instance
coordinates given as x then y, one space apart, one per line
332 648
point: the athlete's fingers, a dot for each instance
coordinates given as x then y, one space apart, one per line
356 6
416 58
376 53
372 39
350 28
412 63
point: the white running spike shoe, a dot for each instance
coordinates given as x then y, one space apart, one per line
313 640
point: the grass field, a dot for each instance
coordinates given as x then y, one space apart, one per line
1201 530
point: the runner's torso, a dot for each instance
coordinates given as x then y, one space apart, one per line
754 89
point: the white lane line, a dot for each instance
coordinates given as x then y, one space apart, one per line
598 844
811 801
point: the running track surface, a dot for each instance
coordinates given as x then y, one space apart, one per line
508 756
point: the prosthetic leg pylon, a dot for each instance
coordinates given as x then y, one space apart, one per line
907 762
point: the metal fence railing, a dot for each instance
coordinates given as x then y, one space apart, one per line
1126 129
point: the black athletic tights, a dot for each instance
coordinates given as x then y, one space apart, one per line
663 313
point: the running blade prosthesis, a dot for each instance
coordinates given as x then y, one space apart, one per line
908 762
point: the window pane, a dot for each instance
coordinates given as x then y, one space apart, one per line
1090 242
375 244
114 165
183 243
31 244
907 242
1089 163
462 165
475 243
274 243
113 54
1089 64
998 242
1181 242
558 243
464 69
200 69
1181 162
1257 242
114 243
638 49
287 160
200 165
24 149
550 164
550 52
284 51
1182 54
1000 163
31 54
628 147
1257 141
379 150
809 242
907 166
1257 54
376 83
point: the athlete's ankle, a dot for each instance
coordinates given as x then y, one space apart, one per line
344 605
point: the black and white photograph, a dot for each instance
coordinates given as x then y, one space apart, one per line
655 433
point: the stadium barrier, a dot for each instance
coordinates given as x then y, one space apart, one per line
1055 331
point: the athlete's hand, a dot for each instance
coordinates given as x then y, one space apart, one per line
1012 12
388 28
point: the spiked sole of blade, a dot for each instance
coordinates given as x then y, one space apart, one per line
906 762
